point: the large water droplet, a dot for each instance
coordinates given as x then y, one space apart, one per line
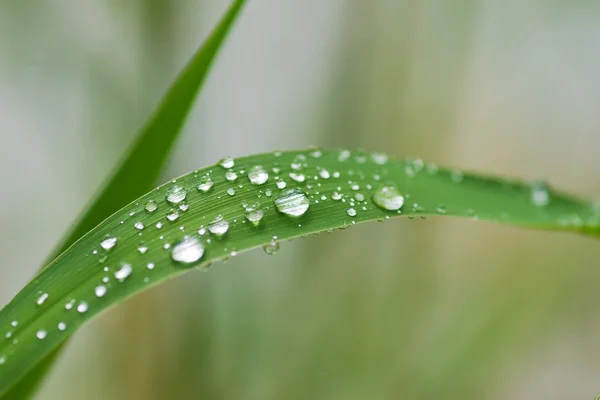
108 243
188 251
123 272
218 226
205 184
271 247
176 195
258 175
388 197
227 162
292 202
254 214
540 194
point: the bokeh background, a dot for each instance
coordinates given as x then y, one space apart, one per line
431 309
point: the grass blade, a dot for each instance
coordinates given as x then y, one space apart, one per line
177 227
148 153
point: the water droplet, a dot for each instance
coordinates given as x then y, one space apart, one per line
184 207
70 304
123 272
139 225
218 226
281 184
540 194
41 334
254 214
441 209
344 155
160 224
336 196
188 251
388 197
14 323
42 299
172 216
100 290
359 197
258 175
150 265
2 360
457 176
231 191
351 212
271 247
230 176
323 173
297 177
292 202
176 195
143 249
227 162
379 158
82 307
108 243
205 184
151 206
62 326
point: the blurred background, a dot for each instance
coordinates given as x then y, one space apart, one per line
402 310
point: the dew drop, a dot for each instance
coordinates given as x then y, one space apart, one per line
176 195
82 307
323 173
62 326
205 184
281 184
254 214
230 176
172 216
293 202
540 194
271 247
150 265
42 299
297 177
188 251
379 158
231 191
14 323
139 225
108 243
151 206
70 304
100 290
184 207
218 226
227 162
344 155
41 334
258 175
336 196
351 212
143 249
123 272
388 197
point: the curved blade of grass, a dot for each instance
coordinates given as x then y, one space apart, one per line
341 187
148 153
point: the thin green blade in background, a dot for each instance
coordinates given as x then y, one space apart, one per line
141 164
214 213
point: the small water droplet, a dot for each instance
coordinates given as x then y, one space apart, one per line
293 202
176 195
122 273
172 216
227 162
159 224
336 196
41 334
188 251
254 214
323 173
457 176
205 184
231 176
184 207
70 304
271 247
351 212
62 326
108 243
218 226
151 206
344 155
540 194
441 209
100 290
297 177
379 158
388 197
14 323
143 249
231 191
42 299
281 184
150 265
82 307
258 175
139 225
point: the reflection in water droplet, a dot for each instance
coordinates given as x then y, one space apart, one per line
108 243
123 272
258 175
292 202
218 226
271 247
205 184
176 195
151 206
227 162
188 251
388 197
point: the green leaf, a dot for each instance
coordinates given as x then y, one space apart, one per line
139 168
177 227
